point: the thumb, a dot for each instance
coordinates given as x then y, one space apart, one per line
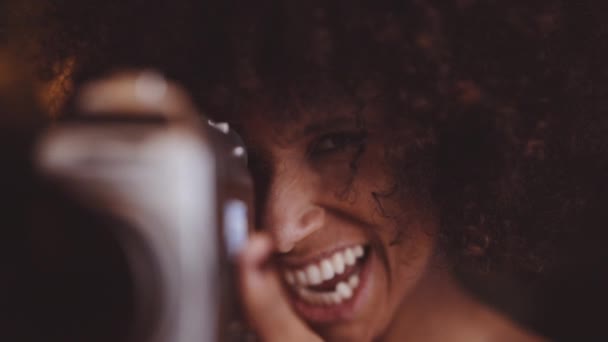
266 305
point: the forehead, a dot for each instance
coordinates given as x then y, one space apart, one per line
289 109
292 116
293 131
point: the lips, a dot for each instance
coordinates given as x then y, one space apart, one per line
329 282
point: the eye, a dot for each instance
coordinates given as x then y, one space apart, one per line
336 142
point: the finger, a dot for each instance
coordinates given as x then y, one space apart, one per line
266 304
258 251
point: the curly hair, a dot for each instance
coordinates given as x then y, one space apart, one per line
494 106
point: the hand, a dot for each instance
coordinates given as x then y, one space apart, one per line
266 305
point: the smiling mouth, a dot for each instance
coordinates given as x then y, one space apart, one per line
328 283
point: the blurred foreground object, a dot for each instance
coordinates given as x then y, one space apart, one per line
156 200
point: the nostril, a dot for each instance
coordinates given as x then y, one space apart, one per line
312 219
295 228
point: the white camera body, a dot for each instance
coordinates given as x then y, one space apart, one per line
137 150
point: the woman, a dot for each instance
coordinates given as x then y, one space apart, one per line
388 143
340 268
347 114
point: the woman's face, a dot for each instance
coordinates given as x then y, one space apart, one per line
324 182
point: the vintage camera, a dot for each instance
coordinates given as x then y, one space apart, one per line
177 188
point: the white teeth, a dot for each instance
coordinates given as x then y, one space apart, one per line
327 271
314 298
327 299
335 297
344 290
306 295
290 278
338 262
353 281
349 257
301 278
303 292
314 274
358 250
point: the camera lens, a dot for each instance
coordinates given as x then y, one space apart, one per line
70 277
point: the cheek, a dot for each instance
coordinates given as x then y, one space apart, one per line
335 172
412 255
396 282
343 183
406 236
409 262
372 169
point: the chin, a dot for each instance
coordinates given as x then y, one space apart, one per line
354 332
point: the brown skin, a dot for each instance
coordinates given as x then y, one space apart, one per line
315 202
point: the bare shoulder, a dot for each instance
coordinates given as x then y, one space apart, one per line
496 327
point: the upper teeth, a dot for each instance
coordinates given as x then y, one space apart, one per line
326 269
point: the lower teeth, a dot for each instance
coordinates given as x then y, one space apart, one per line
343 291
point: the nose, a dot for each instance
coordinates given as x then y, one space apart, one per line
290 212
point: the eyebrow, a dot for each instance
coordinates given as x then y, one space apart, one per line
325 125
